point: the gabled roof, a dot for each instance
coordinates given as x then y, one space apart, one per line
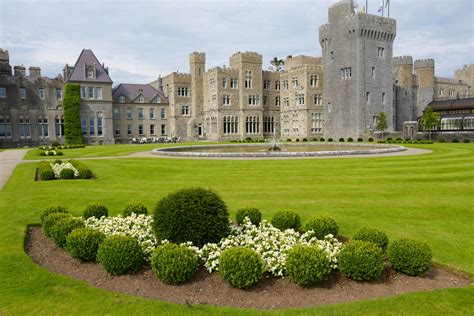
78 73
132 91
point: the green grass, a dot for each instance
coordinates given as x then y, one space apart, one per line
428 197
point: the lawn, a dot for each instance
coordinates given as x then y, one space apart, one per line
428 197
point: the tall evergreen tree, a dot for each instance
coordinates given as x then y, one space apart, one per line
72 119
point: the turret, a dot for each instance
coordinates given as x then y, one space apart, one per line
5 68
425 81
403 98
197 65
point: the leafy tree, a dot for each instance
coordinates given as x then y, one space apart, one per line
277 64
382 123
430 120
72 120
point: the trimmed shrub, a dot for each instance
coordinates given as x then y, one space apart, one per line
360 140
83 243
389 139
58 161
321 139
194 214
55 144
361 260
51 210
82 169
241 267
288 140
286 220
314 139
45 171
252 213
72 121
350 139
341 140
61 228
330 139
174 264
305 139
135 207
297 140
322 226
455 140
307 265
50 220
372 235
409 256
66 173
96 210
370 139
119 254
466 141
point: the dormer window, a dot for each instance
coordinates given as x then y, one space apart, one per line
141 99
121 99
158 100
89 72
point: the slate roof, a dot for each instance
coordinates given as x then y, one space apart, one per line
132 91
462 104
87 57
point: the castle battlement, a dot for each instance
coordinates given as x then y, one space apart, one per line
4 56
442 80
197 57
246 57
424 63
402 60
223 71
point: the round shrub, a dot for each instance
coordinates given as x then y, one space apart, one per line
341 140
307 265
372 235
322 226
330 139
455 140
286 220
466 141
58 161
83 243
361 260
174 264
370 139
47 174
314 139
350 139
50 220
51 210
55 144
360 140
195 214
297 140
251 212
61 229
288 140
96 210
120 254
241 267
441 140
66 173
409 256
305 139
135 207
321 139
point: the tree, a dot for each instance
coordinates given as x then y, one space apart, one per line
72 119
277 64
382 123
430 120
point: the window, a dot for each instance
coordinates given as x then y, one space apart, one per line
41 93
117 129
226 99
224 83
5 128
90 92
152 129
98 93
316 123
331 56
59 126
121 99
84 123
383 97
43 128
286 102
140 129
212 82
234 83
3 92
314 80
254 100
129 129
265 100
266 84
59 94
89 72
140 114
185 110
163 113
129 113
91 123
268 124
346 73
141 99
116 113
294 82
277 85
158 100
277 102
183 92
83 92
441 92
285 84
230 125
248 79
163 129
252 124
100 123
381 52
152 113
367 97
375 119
318 99
25 128
295 122
373 72
300 99
23 93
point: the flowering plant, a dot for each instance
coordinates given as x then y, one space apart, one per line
57 167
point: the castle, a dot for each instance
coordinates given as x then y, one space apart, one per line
338 95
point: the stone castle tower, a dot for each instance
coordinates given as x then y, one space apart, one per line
358 73
197 66
425 77
403 94
5 68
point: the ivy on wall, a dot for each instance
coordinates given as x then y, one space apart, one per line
72 119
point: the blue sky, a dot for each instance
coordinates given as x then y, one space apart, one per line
141 39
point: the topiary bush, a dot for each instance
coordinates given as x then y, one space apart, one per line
83 243
45 171
350 139
96 210
66 173
286 220
51 210
330 140
322 226
174 264
370 139
321 139
135 207
58 161
50 220
252 213
409 256
241 267
361 260
360 140
307 265
120 254
84 171
305 139
466 141
455 140
194 214
372 235
61 229
341 140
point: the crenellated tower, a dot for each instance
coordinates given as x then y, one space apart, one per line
424 84
5 68
403 90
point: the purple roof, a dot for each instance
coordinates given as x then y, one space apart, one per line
132 91
87 57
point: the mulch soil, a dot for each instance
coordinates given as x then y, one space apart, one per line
210 289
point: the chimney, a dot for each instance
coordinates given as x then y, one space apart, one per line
35 71
160 83
19 70
5 68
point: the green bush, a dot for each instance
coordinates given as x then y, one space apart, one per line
241 267
50 220
321 139
72 121
194 214
360 140
466 141
370 139
322 226
372 235
83 243
96 210
305 139
350 139
58 161
174 264
409 256
455 140
51 210
40 153
82 169
55 144
120 254
330 140
45 171
135 207
63 227
252 213
361 260
307 265
66 173
314 139
288 140
341 140
286 220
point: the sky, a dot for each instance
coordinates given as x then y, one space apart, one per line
142 39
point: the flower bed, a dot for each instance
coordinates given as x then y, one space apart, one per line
55 149
59 169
